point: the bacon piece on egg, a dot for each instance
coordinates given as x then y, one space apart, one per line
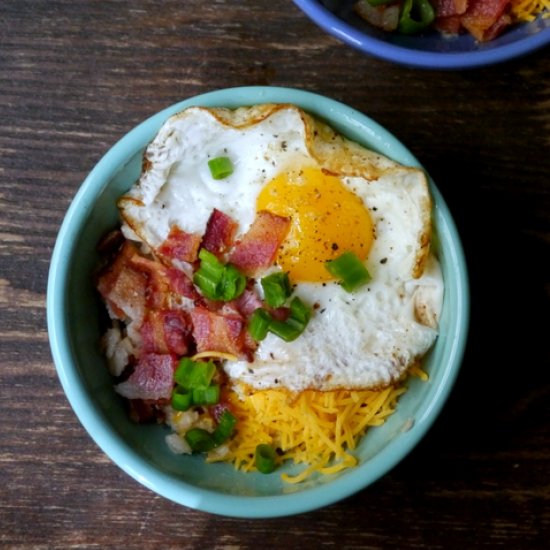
219 234
180 245
258 247
152 378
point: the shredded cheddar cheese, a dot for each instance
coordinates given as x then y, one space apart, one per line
315 428
416 370
528 10
214 355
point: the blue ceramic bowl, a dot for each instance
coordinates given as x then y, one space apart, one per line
73 324
430 50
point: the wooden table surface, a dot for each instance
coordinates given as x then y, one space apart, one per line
76 75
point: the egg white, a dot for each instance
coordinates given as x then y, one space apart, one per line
365 339
178 187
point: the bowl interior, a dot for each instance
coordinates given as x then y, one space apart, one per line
74 327
430 49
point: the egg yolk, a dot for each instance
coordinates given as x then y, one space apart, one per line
328 219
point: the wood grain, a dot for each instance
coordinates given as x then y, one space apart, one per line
76 75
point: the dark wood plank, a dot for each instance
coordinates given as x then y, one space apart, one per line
76 75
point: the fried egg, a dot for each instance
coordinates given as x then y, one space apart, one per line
340 197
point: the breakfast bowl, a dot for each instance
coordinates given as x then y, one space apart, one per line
429 49
74 314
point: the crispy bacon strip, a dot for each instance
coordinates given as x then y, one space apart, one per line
448 8
258 247
123 287
219 234
180 245
181 283
166 332
152 378
158 285
214 331
247 302
451 24
485 19
163 283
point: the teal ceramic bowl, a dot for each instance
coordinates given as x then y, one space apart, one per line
74 331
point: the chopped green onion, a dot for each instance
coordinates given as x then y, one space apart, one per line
216 280
262 322
206 396
350 270
209 286
259 324
200 440
220 167
193 385
299 312
194 374
415 16
233 283
181 399
295 324
210 264
209 275
265 458
284 330
276 288
225 427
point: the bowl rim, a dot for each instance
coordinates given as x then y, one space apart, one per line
104 434
355 38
